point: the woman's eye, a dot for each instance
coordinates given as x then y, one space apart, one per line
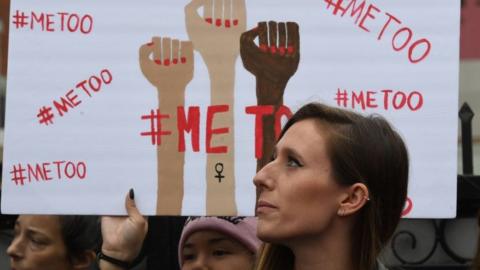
293 162
188 257
220 252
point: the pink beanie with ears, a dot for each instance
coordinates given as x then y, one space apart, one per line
242 229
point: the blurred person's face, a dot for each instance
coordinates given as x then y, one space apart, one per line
38 244
298 197
215 251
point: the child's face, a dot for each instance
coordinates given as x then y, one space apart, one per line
215 251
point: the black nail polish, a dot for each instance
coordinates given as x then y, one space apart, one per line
131 194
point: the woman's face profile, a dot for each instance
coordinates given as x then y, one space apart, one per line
215 251
298 196
38 244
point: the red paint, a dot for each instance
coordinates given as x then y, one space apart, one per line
212 110
189 125
290 50
282 111
259 112
183 60
156 132
218 22
175 61
158 61
47 171
369 99
470 30
408 207
166 62
263 47
281 51
235 22
227 23
273 49
403 39
209 20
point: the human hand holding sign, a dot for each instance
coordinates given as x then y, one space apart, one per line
273 62
168 65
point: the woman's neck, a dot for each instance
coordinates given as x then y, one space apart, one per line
329 251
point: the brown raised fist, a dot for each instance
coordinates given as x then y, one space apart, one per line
274 59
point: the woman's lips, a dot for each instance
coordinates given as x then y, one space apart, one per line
265 207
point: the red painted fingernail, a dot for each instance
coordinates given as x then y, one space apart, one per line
175 61
150 44
183 60
290 49
263 48
218 22
235 22
227 23
158 61
281 51
273 49
166 62
208 20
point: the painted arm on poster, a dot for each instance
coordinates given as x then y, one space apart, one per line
168 65
123 236
273 62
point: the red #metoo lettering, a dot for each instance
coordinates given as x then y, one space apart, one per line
47 171
402 37
53 22
386 99
73 97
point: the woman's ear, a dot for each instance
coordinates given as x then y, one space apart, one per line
83 261
355 198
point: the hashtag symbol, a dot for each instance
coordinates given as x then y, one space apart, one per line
342 97
17 174
337 6
20 19
155 133
45 115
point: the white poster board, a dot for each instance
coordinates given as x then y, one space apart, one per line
92 98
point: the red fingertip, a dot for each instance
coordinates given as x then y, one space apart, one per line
175 61
208 20
183 60
273 49
158 61
166 62
263 48
227 23
290 49
235 22
281 51
218 22
150 44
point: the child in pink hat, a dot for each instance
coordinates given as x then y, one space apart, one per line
218 243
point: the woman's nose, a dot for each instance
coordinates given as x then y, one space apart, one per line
263 178
15 249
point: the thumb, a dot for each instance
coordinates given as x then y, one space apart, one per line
131 206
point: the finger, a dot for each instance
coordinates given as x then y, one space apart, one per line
131 206
157 50
247 39
166 47
208 11
263 36
282 38
145 51
218 12
272 30
186 52
293 41
239 15
227 13
175 51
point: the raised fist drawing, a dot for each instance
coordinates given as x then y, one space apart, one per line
167 63
215 35
277 55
